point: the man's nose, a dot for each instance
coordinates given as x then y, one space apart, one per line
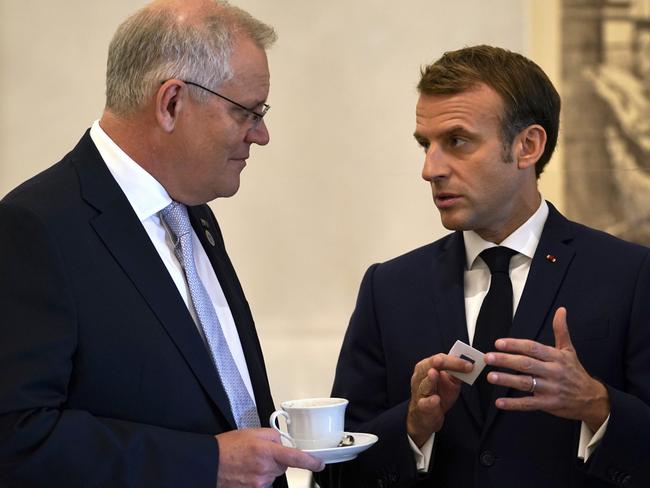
435 165
258 134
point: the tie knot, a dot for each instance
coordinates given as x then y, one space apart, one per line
497 258
176 217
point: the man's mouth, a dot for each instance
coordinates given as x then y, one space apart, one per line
446 200
241 159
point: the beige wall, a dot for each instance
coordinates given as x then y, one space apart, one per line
338 187
543 34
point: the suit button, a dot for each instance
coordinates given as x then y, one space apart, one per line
487 458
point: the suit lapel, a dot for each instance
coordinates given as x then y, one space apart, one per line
123 234
211 238
448 291
449 300
548 268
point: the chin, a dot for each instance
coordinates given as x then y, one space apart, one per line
452 223
227 191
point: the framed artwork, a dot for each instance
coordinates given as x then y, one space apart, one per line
606 114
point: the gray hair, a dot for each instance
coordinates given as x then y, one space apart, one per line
151 46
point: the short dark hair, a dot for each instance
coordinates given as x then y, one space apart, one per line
528 95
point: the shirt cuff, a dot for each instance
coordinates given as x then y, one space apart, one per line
422 454
588 441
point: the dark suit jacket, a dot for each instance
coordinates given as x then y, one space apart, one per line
104 379
412 307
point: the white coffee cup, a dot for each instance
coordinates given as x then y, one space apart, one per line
313 423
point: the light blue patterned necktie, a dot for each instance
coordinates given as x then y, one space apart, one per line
241 404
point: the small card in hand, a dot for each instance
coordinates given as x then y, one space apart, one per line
468 353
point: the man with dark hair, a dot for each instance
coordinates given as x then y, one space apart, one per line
128 352
528 96
561 311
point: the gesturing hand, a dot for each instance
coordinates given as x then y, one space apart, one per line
433 392
561 385
255 457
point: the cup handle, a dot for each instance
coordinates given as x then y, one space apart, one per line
275 425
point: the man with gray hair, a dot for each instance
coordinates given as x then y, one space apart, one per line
128 350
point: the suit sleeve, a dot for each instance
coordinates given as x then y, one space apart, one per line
361 378
623 453
42 442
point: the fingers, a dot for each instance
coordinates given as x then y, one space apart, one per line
426 373
531 357
561 330
428 404
521 363
429 384
523 404
295 458
287 456
255 457
522 382
552 378
444 362
525 347
537 350
433 392
542 398
534 386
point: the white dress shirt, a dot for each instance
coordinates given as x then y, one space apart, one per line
477 278
147 198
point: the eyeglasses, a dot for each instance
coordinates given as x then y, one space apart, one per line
254 117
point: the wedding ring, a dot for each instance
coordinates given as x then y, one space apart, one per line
533 385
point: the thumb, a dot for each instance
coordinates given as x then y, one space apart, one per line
295 458
561 330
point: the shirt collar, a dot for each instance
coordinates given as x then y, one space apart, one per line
524 239
145 194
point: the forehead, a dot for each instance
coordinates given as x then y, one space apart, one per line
249 65
472 109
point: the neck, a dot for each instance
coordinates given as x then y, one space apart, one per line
136 137
524 210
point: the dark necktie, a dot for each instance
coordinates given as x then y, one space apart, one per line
495 317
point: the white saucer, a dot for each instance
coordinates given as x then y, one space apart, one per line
345 453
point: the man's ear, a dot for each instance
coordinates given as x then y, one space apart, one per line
529 146
169 101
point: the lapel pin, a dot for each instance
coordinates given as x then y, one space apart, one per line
550 258
209 237
204 223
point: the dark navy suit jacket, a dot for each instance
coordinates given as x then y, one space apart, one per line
412 307
104 379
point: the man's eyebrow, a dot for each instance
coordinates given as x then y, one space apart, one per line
260 103
420 138
249 106
457 128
